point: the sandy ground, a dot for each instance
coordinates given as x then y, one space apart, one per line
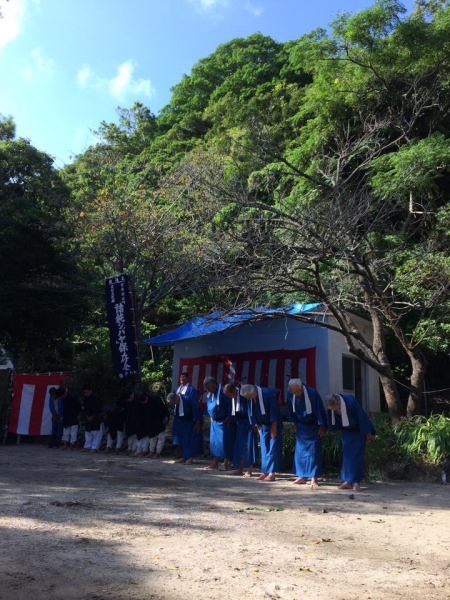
95 527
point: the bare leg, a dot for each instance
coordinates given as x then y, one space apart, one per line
345 486
262 477
270 477
356 487
239 470
314 483
225 465
214 465
249 472
300 480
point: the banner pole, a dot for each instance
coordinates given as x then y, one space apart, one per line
136 335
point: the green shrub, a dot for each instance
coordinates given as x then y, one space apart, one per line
382 451
332 451
425 438
288 445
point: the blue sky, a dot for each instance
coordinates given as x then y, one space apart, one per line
66 65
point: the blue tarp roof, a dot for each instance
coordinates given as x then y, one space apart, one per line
215 323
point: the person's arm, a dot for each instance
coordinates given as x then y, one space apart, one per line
289 409
251 418
274 407
365 424
274 430
321 414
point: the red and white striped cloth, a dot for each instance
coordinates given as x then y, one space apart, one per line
271 369
30 414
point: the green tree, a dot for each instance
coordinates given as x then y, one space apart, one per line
39 303
347 210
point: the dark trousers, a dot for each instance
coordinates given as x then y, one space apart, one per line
57 431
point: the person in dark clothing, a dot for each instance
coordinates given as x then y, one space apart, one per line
158 418
92 409
55 407
115 421
141 412
71 415
130 430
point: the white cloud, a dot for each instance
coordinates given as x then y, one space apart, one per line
27 73
44 65
256 11
39 65
85 76
209 5
120 86
124 84
12 22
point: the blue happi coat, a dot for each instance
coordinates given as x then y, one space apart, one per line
246 444
353 438
271 449
222 432
308 460
187 421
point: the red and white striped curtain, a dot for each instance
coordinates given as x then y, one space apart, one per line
30 414
267 369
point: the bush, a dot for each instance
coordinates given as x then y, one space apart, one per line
288 445
426 439
332 452
396 451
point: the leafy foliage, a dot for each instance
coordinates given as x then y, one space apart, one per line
425 438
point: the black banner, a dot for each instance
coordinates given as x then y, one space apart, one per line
121 326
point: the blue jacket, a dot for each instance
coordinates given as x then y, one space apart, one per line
51 405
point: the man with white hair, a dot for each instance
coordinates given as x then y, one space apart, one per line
264 413
222 432
306 410
346 413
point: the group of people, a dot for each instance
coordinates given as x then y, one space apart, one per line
143 419
238 416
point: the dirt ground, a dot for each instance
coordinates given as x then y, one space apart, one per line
95 527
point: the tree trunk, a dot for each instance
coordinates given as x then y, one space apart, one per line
419 366
396 410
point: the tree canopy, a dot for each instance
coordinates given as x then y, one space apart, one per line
314 170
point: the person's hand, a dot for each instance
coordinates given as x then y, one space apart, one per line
273 430
197 427
321 430
369 436
255 428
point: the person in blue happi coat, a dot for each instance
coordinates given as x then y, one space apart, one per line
188 391
187 410
345 413
246 444
306 410
222 432
177 425
264 413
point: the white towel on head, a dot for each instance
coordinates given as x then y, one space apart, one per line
180 391
345 421
343 411
211 395
307 401
261 401
236 403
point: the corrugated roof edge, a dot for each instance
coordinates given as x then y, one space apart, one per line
218 321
